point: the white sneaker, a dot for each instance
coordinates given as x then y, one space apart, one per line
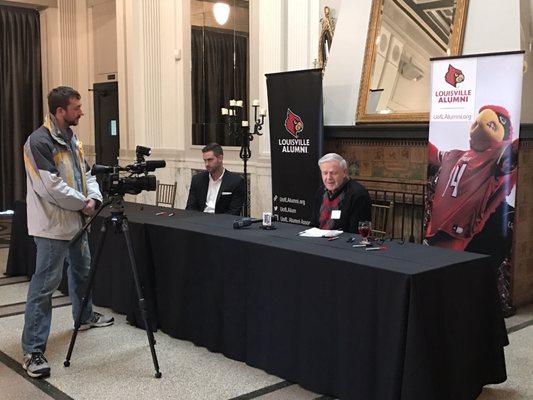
97 321
36 365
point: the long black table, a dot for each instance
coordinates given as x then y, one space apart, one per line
409 322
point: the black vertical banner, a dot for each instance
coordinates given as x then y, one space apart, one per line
296 139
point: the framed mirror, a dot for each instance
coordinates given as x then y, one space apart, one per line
402 36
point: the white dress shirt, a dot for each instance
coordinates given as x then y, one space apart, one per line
212 193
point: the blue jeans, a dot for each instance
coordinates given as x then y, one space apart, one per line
48 273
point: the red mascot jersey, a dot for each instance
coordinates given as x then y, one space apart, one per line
470 187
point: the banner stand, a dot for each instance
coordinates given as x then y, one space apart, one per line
296 142
473 157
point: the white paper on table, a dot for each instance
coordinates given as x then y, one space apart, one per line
315 232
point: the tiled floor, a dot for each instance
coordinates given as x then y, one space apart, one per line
115 363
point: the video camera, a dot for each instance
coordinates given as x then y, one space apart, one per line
137 181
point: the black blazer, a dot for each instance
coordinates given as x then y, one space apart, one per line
356 206
230 196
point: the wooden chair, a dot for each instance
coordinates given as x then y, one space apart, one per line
165 194
382 215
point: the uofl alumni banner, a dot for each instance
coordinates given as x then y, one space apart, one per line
473 154
296 136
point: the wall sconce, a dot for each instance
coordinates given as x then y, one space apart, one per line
409 70
221 12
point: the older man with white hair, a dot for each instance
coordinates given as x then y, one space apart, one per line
341 202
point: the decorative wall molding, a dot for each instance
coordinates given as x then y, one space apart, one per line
526 132
151 61
297 34
383 142
378 131
69 43
313 31
270 40
286 38
65 56
395 132
526 143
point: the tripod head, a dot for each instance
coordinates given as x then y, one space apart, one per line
116 207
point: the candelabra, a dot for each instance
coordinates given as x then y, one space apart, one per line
236 126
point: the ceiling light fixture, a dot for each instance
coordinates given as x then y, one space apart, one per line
221 12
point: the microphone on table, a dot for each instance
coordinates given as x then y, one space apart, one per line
244 222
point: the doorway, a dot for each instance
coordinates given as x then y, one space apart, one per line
106 123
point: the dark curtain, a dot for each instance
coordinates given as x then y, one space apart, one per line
215 81
20 96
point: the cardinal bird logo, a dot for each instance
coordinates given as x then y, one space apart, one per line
293 123
454 76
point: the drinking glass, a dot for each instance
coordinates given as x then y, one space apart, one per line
365 228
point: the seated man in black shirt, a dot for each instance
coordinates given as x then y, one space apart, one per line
216 190
340 203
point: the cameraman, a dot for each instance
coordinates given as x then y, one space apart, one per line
60 193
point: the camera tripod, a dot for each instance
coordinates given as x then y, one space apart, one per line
120 222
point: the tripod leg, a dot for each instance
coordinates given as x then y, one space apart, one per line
85 299
142 301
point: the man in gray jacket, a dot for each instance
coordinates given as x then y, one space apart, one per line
60 193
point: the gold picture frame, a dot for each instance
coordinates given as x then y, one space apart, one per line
455 45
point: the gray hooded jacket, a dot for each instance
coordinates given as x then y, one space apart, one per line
56 193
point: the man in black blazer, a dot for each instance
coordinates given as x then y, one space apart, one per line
216 190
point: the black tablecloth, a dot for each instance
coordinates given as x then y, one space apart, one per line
411 322
21 257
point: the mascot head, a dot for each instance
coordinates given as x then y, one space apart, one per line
293 123
491 127
454 76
